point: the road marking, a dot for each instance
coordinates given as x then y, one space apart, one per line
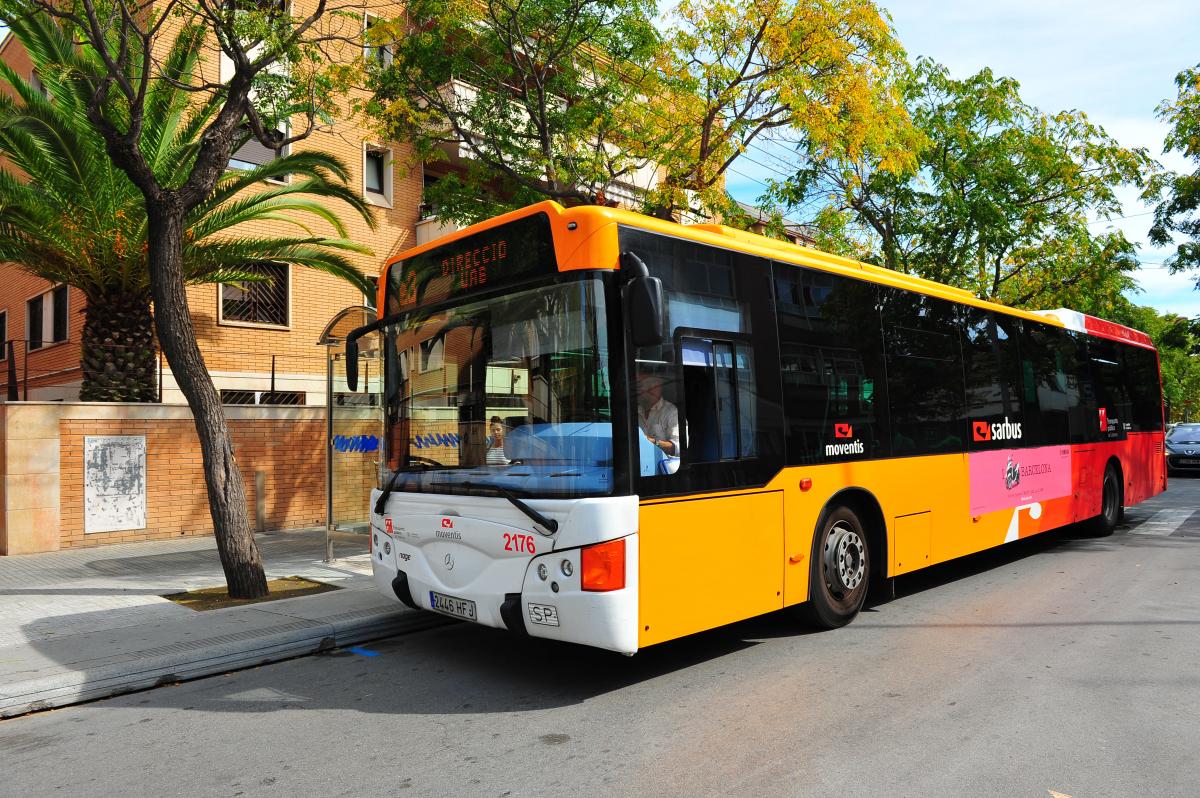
1162 523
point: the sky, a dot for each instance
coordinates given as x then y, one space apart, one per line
1116 61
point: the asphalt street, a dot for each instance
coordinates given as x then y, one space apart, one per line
1061 665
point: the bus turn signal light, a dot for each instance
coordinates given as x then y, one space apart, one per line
603 566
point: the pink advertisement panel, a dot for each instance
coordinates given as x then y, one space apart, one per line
1007 478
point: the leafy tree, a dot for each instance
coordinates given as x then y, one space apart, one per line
733 72
70 216
117 66
998 201
1178 342
541 99
1179 213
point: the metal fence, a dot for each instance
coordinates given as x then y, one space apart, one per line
242 377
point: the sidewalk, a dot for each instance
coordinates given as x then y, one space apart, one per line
83 624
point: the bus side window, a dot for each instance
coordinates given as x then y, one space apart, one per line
1141 369
719 336
831 366
1045 380
925 373
718 380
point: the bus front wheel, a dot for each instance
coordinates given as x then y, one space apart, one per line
839 570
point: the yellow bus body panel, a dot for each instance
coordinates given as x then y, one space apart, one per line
711 560
706 562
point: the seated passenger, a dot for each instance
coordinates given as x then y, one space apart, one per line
495 443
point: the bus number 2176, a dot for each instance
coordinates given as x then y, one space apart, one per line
519 543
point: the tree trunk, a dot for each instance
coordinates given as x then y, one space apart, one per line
118 351
240 558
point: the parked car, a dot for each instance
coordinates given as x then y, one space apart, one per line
1183 448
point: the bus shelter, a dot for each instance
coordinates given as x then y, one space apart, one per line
354 430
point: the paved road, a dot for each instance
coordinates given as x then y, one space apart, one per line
1061 664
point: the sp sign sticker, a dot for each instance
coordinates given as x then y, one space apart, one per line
543 614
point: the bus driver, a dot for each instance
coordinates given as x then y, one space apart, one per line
658 418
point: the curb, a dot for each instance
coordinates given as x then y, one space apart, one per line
142 670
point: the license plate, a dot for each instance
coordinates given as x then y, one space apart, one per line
1189 462
459 608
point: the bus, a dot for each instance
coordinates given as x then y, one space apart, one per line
829 425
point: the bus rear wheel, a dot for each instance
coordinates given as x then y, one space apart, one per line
1112 505
839 570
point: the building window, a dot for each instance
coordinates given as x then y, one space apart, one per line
369 298
379 55
46 318
253 154
377 175
427 209
3 334
262 301
433 353
36 82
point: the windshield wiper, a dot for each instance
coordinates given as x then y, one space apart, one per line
534 515
381 502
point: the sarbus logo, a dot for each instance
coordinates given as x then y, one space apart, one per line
843 431
1004 431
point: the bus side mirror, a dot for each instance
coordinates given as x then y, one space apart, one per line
352 364
643 302
645 307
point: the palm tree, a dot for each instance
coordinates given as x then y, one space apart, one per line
69 215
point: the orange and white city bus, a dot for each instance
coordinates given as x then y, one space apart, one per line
614 430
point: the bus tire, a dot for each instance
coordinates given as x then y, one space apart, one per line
839 570
1112 504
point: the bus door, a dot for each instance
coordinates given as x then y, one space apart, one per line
708 442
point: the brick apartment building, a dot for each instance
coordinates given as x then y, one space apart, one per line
246 334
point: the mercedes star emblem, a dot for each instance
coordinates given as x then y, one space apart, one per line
449 562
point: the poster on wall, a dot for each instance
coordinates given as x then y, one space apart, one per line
1006 478
114 483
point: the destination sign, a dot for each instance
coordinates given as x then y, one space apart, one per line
504 255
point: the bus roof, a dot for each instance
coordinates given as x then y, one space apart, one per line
585 238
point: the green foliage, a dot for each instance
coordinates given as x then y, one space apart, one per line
541 100
998 199
734 71
69 215
1179 212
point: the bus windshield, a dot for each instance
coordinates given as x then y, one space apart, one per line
507 393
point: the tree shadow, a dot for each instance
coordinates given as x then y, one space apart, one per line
470 669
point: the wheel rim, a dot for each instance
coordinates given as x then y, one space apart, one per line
845 559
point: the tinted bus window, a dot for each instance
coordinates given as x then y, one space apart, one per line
1044 385
832 366
993 372
1112 390
1141 368
1083 407
924 373
718 332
